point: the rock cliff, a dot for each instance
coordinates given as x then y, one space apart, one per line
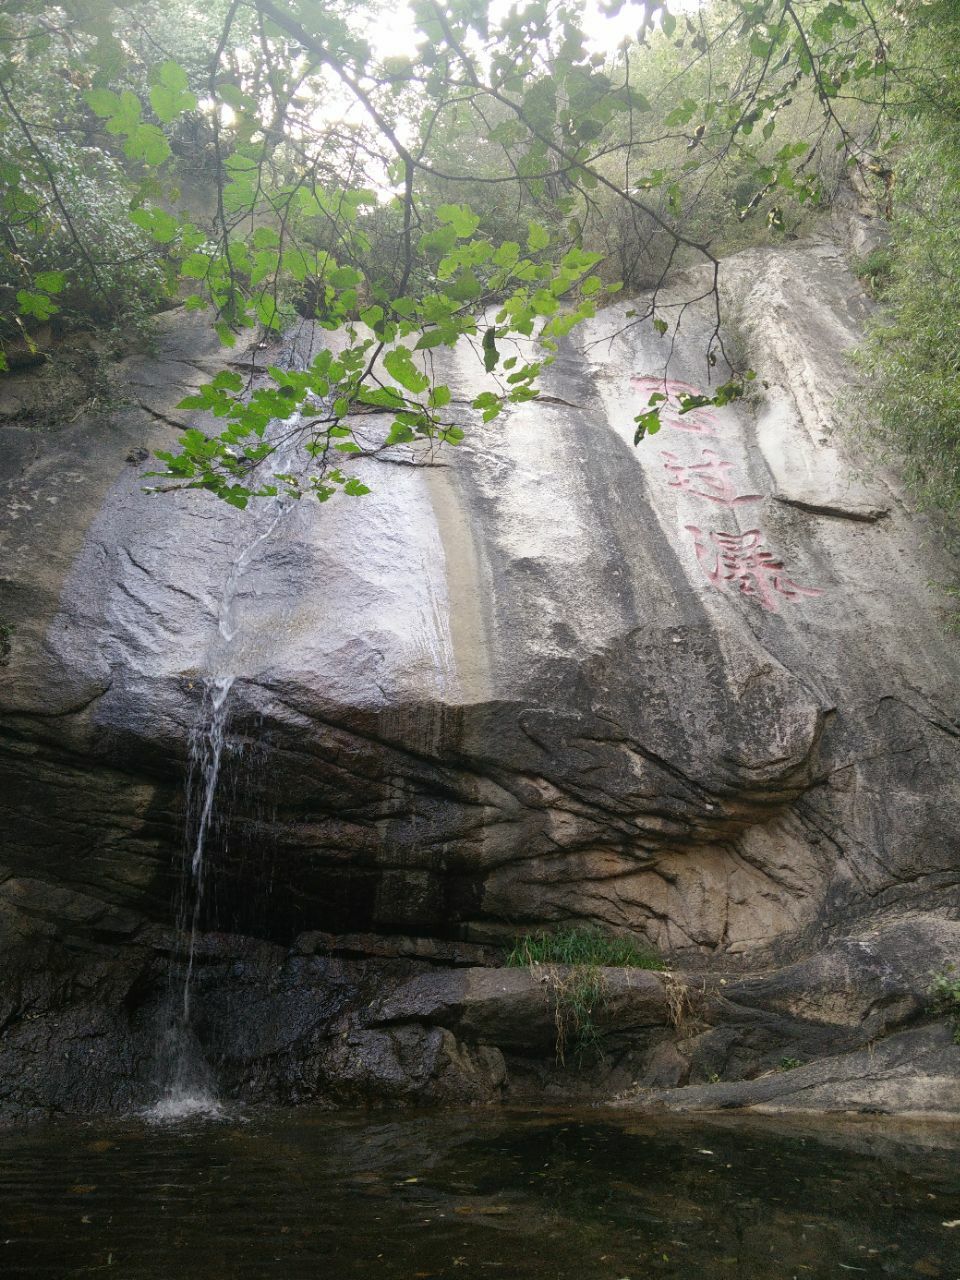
701 692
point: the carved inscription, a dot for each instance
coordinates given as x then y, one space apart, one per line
741 559
709 478
698 422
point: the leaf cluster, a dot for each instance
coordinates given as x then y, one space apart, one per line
407 205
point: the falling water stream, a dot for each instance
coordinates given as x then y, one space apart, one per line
188 1086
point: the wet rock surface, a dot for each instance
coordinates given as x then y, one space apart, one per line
700 692
848 1030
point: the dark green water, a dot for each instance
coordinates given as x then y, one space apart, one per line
480 1196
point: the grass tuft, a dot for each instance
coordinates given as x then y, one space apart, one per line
579 990
581 944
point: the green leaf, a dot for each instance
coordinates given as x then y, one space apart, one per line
344 277
103 102
507 254
146 142
792 151
440 241
234 96
544 303
682 114
124 112
161 225
195 266
381 397
540 104
466 287
399 364
489 404
647 424
173 76
50 281
433 338
225 334
169 103
538 237
354 488
460 217
491 356
634 100
399 433
37 305
267 312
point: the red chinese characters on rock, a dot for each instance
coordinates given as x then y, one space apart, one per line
699 422
741 559
737 559
709 478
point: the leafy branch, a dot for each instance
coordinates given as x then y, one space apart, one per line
341 194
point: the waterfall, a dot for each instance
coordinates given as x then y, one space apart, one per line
206 753
188 1083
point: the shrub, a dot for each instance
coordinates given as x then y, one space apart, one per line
912 356
128 283
874 269
945 997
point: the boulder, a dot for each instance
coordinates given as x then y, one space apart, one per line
699 692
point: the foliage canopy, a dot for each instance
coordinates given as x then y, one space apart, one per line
490 178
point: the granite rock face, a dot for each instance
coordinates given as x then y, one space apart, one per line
700 692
